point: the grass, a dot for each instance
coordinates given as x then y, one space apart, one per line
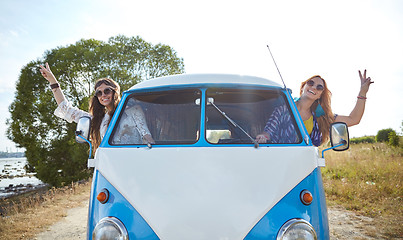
25 216
368 179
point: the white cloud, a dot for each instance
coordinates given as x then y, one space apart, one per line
14 33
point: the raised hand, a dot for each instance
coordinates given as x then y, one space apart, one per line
47 73
365 82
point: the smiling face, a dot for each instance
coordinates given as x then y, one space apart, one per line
313 88
104 94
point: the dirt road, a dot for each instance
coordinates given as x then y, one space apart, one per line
73 226
343 225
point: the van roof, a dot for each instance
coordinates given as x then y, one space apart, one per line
204 79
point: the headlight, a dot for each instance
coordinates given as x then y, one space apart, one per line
110 228
296 229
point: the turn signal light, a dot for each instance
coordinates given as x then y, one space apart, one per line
306 197
103 196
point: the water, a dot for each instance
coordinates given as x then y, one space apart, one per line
14 179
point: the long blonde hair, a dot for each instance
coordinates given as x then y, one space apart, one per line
325 120
97 110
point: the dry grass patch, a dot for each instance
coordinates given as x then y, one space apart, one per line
368 179
28 216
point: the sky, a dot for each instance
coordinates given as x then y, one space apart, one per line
334 39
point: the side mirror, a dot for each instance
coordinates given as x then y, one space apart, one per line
83 129
339 137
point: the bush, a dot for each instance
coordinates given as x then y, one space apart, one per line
365 139
383 135
393 139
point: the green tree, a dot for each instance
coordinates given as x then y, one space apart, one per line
383 135
50 145
393 139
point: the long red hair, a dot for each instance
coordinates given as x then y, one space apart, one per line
324 121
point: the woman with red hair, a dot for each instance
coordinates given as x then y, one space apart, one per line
316 112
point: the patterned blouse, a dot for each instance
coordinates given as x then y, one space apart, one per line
281 129
132 127
133 119
316 135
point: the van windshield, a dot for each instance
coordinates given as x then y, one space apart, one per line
168 117
252 114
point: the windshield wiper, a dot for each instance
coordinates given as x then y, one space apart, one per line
211 101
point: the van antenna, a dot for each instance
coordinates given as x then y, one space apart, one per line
306 137
276 67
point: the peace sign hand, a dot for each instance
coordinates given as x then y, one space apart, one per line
365 82
47 73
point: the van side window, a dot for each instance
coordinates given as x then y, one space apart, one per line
170 117
251 110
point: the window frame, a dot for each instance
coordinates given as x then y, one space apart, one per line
170 91
280 94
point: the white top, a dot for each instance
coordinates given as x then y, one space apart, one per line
133 119
132 127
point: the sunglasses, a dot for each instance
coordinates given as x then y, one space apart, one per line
319 87
107 91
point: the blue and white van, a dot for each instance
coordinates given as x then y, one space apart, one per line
206 177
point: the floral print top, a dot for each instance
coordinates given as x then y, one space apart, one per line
132 127
134 122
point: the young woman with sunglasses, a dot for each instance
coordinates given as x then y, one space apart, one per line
315 110
102 107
